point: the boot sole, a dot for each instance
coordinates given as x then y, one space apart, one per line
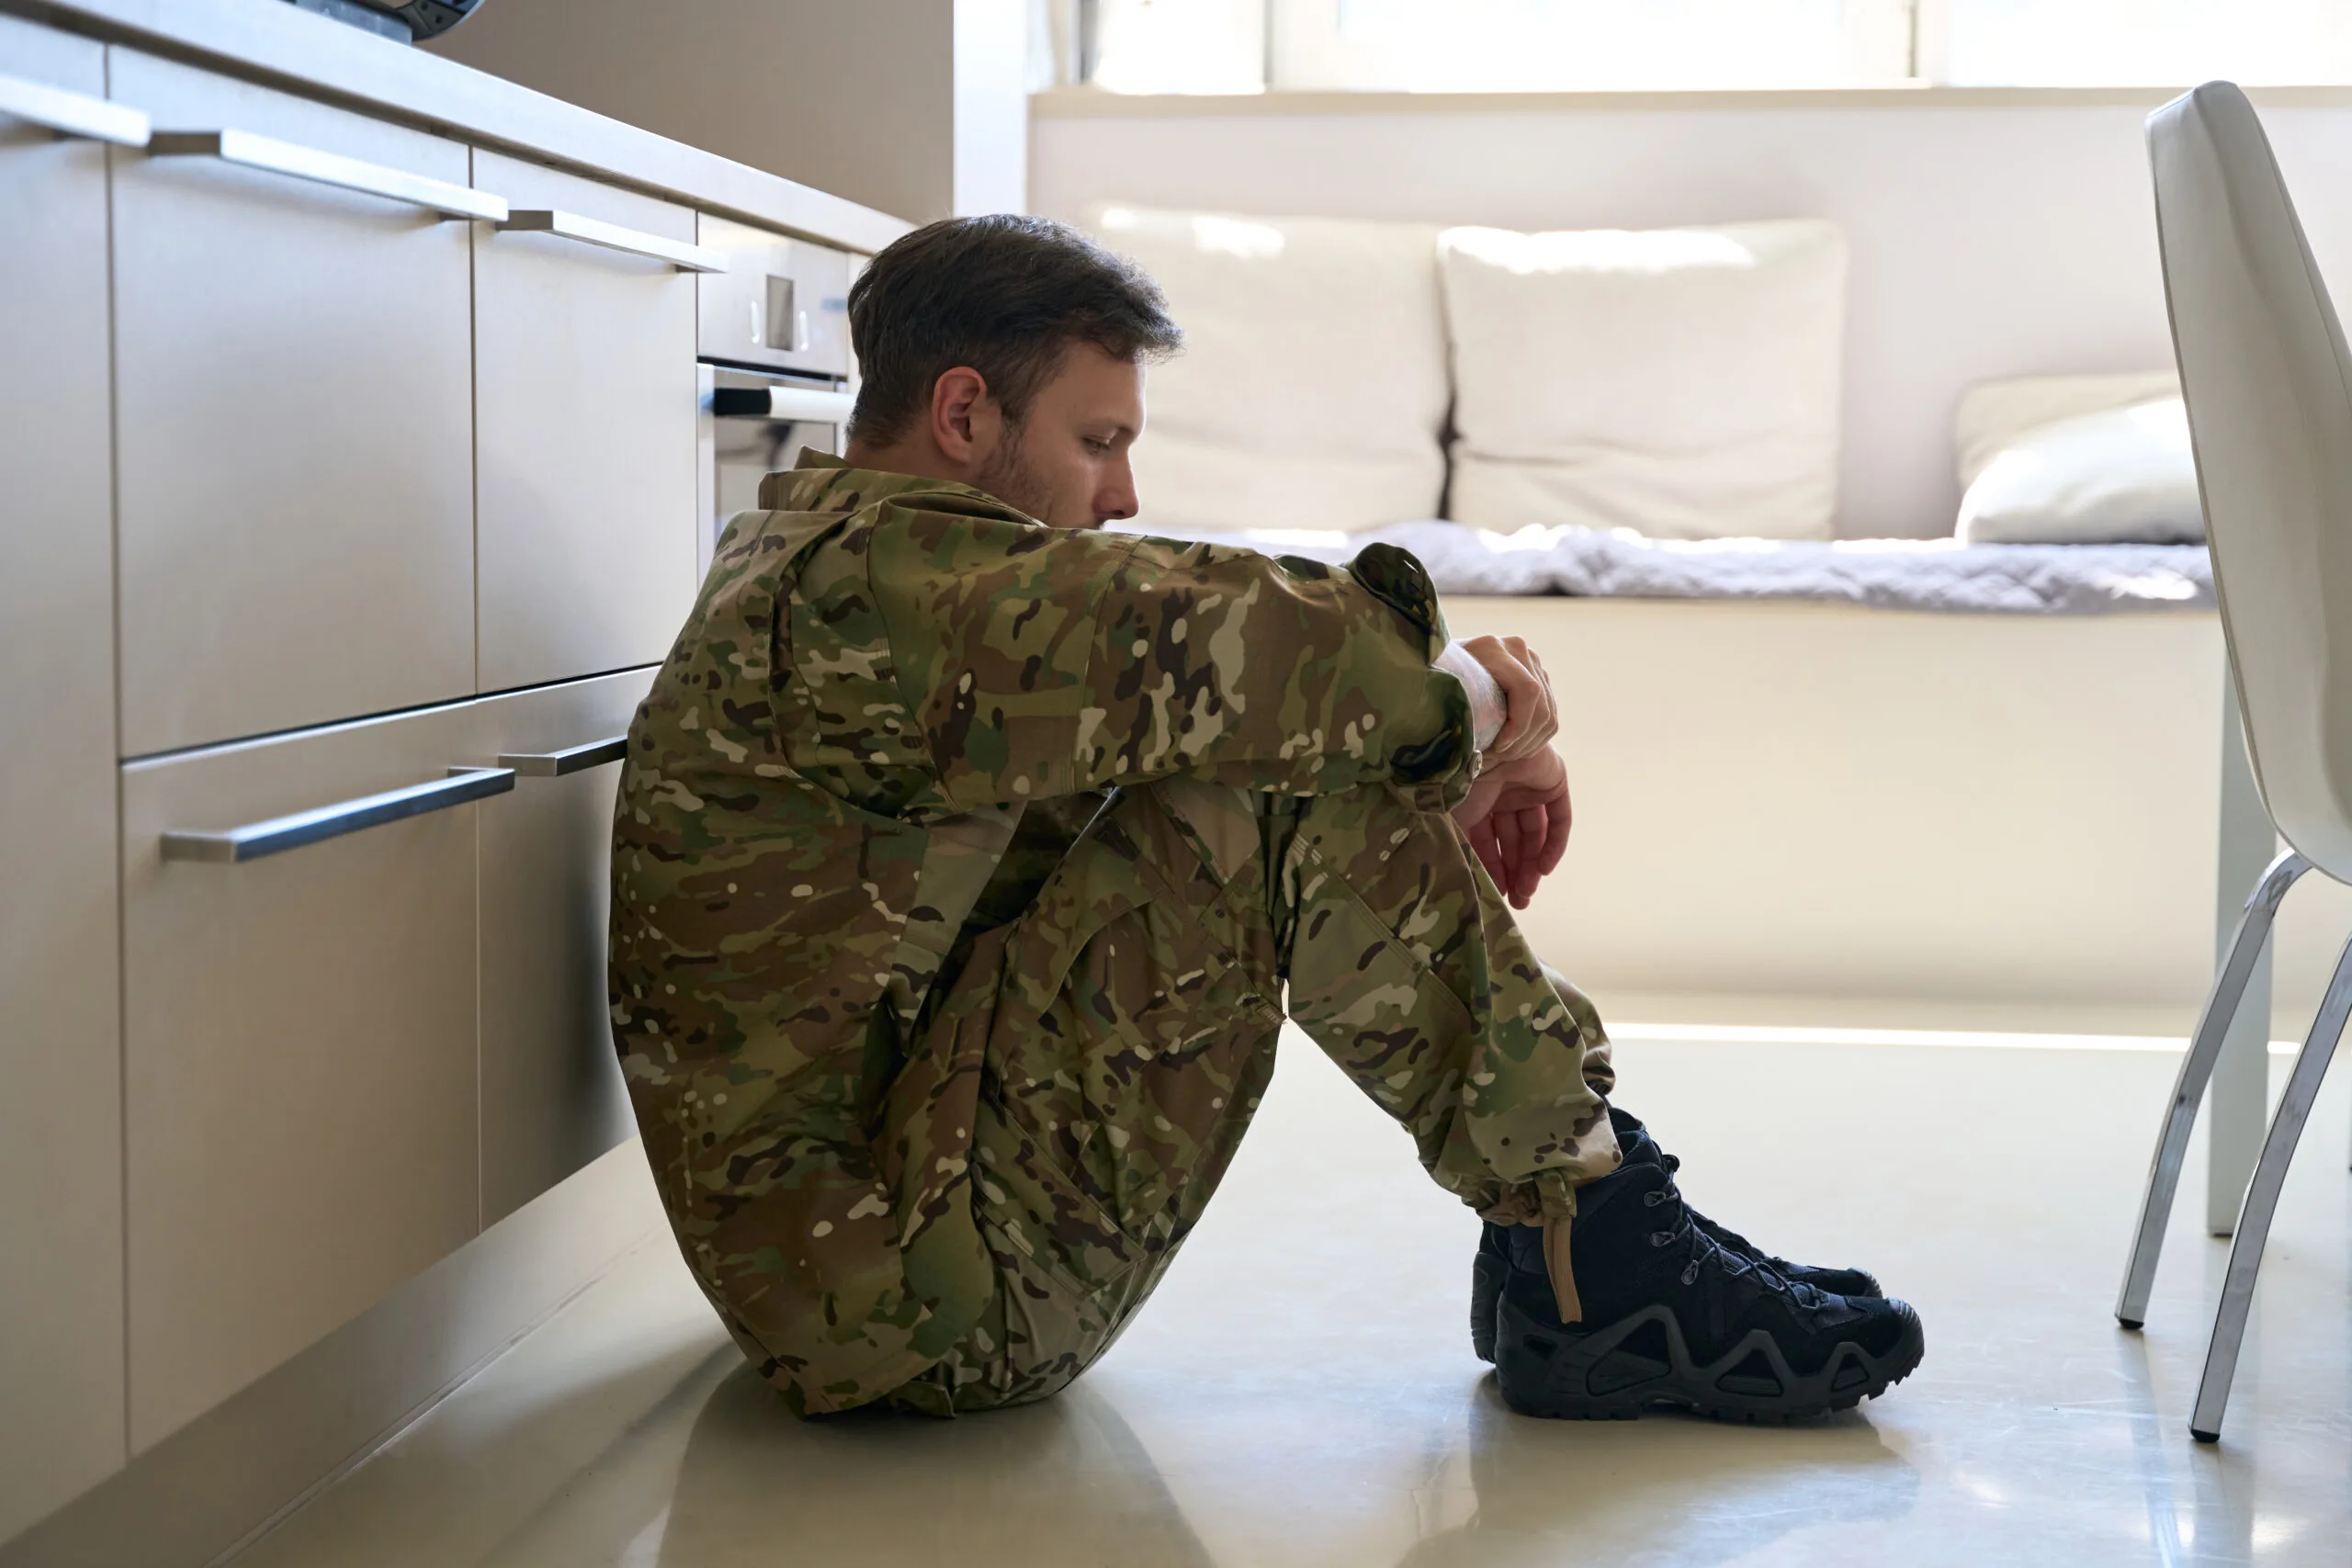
1592 1377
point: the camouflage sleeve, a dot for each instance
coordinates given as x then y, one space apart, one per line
1038 662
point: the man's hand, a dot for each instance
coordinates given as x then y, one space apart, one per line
1516 818
1531 721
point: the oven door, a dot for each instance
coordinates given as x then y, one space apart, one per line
753 425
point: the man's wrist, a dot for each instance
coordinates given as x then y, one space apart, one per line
1488 709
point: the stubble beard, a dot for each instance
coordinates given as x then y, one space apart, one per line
1009 478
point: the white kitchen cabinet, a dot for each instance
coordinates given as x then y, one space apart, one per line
552 1092
340 457
61 1137
300 1050
294 405
585 398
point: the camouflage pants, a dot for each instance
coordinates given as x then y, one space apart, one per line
1123 1029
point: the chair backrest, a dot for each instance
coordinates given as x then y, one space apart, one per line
2268 386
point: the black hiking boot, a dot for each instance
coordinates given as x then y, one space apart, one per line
1488 1268
1673 1318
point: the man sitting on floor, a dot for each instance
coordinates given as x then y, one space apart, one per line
968 860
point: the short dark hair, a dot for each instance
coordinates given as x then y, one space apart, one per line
1006 296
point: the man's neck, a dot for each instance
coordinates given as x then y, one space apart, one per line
920 460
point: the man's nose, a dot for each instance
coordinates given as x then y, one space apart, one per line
1116 499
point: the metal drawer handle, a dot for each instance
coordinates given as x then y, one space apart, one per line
572 760
72 114
782 402
281 833
613 237
248 149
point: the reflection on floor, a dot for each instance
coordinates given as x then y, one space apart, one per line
1301 1392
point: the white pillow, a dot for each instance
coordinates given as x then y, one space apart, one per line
1312 389
2124 476
1992 414
1680 382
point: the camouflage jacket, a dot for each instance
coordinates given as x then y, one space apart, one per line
895 702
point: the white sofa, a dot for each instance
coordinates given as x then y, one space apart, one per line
1803 812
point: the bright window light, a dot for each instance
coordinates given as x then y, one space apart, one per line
2078 43
1474 46
1180 46
1457 46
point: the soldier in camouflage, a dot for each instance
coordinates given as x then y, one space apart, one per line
968 859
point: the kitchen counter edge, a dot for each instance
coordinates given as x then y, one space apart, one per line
278 45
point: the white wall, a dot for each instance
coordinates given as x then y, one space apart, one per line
1989 238
991 153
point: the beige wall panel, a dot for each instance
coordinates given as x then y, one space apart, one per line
584 387
300 1055
857 100
61 1148
293 394
552 1093
1819 801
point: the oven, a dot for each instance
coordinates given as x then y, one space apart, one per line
753 425
773 340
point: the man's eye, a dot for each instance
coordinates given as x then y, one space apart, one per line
1097 444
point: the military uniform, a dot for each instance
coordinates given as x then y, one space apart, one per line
964 871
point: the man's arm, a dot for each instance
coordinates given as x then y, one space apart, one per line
1040 662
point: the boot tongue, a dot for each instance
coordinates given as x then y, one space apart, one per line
1634 1140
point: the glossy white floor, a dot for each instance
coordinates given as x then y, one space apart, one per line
1302 1391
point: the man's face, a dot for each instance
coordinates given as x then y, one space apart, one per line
1066 463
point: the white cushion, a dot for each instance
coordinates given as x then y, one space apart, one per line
2123 476
1312 389
1680 382
1992 414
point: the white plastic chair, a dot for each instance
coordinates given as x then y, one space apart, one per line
2268 385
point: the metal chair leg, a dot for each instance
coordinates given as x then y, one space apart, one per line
2188 1090
2262 1201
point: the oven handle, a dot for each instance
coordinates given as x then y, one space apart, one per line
807 403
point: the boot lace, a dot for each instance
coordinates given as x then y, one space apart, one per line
1728 1239
1679 1227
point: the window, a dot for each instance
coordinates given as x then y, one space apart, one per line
1468 46
1455 46
1175 46
2151 42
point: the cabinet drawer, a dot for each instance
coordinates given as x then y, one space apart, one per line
584 377
294 431
300 1054
61 1110
781 304
552 1092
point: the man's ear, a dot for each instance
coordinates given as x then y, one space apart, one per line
965 421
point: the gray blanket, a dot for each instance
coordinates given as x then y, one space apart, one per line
1902 574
